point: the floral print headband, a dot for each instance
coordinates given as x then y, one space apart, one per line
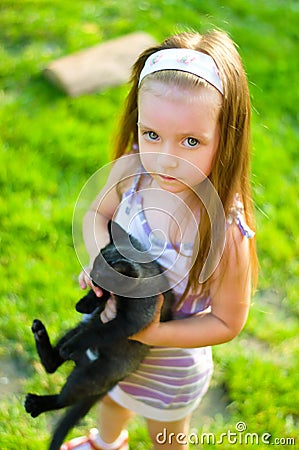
185 60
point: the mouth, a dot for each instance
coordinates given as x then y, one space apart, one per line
167 178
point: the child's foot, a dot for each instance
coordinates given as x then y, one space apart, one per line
94 442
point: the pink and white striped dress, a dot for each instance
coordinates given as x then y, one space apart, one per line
170 382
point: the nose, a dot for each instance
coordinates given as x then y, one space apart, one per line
166 160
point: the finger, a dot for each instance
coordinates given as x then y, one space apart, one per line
103 317
85 281
97 290
109 312
88 281
109 315
160 300
106 316
110 309
111 304
81 280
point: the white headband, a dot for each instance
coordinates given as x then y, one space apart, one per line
185 60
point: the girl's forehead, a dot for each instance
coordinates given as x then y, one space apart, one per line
155 89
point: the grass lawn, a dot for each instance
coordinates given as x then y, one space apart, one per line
51 144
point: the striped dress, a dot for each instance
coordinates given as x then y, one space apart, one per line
170 382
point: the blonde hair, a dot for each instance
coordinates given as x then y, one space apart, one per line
230 172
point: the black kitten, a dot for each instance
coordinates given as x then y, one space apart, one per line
102 352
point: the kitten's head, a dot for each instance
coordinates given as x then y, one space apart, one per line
124 267
120 255
120 265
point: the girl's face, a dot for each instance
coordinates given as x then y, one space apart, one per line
178 133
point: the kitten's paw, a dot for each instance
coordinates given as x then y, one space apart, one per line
39 330
33 404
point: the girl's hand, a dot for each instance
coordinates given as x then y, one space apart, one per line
109 312
148 334
85 281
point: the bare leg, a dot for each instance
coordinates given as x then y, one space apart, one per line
112 419
169 435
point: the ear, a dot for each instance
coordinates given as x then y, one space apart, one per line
116 232
126 267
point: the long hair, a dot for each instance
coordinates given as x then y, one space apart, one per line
230 172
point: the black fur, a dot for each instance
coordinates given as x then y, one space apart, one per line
102 352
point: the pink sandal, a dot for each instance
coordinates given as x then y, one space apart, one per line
93 442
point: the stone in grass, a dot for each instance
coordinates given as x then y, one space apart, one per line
94 69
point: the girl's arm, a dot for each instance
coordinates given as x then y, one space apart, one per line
95 231
95 235
230 294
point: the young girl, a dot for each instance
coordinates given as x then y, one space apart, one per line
180 184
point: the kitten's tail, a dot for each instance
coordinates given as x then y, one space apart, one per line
69 420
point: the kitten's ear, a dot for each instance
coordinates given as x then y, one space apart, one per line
116 232
126 267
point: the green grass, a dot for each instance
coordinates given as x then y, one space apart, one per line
51 144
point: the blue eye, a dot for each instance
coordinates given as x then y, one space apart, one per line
191 142
151 135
